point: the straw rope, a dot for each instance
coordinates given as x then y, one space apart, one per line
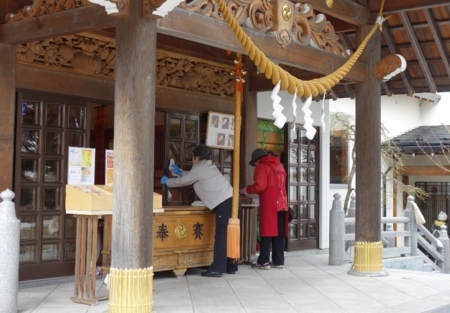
277 74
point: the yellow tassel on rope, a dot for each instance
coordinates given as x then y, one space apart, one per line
233 238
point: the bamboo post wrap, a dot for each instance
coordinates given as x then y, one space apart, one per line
233 228
131 290
368 257
289 82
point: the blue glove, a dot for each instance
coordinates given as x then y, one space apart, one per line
176 170
164 180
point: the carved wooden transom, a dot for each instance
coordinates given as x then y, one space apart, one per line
285 20
96 56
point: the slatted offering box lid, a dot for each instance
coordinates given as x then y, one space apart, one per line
97 199
89 198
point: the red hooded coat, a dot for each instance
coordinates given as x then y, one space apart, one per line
270 185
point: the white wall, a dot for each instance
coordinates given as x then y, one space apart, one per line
436 114
398 113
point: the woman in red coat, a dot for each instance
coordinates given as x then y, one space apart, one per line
270 185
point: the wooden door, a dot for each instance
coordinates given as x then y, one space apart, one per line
46 126
302 167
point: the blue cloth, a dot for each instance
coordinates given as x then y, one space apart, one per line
163 180
176 170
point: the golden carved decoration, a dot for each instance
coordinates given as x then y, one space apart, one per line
303 27
286 12
180 231
95 56
330 3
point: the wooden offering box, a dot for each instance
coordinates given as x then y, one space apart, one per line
85 199
183 237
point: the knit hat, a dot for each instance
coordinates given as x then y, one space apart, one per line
256 155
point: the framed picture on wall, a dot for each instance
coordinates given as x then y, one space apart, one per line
220 130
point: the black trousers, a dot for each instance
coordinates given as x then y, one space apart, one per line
276 243
221 263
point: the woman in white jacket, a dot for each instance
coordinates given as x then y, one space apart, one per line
216 193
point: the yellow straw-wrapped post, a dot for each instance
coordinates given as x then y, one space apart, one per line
233 228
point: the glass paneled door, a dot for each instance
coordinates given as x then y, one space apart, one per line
182 134
302 164
46 126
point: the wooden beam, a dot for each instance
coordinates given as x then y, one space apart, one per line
345 10
386 89
261 83
7 118
394 50
391 6
350 91
425 171
70 84
438 39
191 26
417 49
57 24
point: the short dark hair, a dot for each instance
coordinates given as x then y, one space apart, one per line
202 152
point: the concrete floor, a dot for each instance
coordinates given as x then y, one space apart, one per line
306 284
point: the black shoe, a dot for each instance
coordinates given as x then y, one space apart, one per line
231 272
211 274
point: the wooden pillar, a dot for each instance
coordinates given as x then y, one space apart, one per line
368 246
248 129
7 117
131 273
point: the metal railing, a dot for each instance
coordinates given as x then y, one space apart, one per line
418 241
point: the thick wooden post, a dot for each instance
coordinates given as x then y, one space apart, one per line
7 104
368 246
131 273
249 124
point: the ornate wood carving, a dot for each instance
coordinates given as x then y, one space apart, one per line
194 75
389 66
95 55
43 7
151 5
285 20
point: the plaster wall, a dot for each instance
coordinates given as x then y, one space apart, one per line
436 114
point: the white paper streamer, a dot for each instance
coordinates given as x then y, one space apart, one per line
280 119
310 130
294 109
322 119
